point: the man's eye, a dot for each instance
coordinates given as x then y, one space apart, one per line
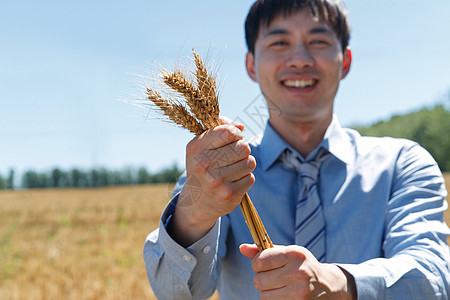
319 42
279 43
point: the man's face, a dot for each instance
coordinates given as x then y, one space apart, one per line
298 63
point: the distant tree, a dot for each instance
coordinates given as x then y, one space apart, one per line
31 179
10 180
143 176
58 178
78 178
429 127
95 177
127 176
103 177
167 175
2 183
43 180
115 178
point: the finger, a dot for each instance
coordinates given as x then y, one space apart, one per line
197 150
229 184
272 294
299 290
270 280
285 292
225 120
274 258
241 186
238 170
220 136
229 154
222 166
287 275
249 250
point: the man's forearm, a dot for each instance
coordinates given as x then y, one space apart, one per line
400 277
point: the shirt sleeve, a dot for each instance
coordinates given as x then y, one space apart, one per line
175 272
416 259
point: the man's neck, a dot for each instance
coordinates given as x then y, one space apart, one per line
302 136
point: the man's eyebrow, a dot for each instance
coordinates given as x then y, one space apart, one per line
282 31
320 30
275 31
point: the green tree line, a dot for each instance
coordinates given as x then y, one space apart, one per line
95 177
430 127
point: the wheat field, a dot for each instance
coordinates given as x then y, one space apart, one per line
79 243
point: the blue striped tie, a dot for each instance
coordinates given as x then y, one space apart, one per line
309 218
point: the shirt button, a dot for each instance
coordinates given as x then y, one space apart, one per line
187 258
206 249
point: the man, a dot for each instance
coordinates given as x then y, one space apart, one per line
369 227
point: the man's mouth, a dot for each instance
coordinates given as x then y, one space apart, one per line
299 83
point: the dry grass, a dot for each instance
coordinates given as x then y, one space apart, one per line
79 244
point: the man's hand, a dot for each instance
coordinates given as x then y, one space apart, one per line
292 272
218 167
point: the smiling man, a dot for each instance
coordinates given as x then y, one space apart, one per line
298 62
352 217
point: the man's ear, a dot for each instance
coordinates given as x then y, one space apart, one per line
250 66
347 62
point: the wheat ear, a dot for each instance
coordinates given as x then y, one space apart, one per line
176 112
179 83
206 85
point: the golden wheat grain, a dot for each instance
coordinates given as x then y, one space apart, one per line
179 83
182 116
175 112
206 85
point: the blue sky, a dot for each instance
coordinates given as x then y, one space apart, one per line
67 69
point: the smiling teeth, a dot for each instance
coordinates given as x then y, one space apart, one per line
299 83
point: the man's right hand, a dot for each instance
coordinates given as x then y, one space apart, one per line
218 167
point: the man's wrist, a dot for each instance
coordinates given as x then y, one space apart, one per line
351 285
184 227
340 284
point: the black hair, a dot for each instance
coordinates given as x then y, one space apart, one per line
332 12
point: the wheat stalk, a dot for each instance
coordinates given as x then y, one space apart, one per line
202 100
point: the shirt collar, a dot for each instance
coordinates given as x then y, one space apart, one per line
272 145
338 142
335 140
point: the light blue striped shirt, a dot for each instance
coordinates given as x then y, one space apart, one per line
383 200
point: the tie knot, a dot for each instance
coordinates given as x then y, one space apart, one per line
308 170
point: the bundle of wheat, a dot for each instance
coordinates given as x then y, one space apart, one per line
202 100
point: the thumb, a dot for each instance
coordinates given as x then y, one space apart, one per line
249 250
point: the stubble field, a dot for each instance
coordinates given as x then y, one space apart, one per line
79 243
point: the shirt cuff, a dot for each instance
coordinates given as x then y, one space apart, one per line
186 258
368 284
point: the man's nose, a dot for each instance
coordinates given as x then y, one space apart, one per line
300 57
